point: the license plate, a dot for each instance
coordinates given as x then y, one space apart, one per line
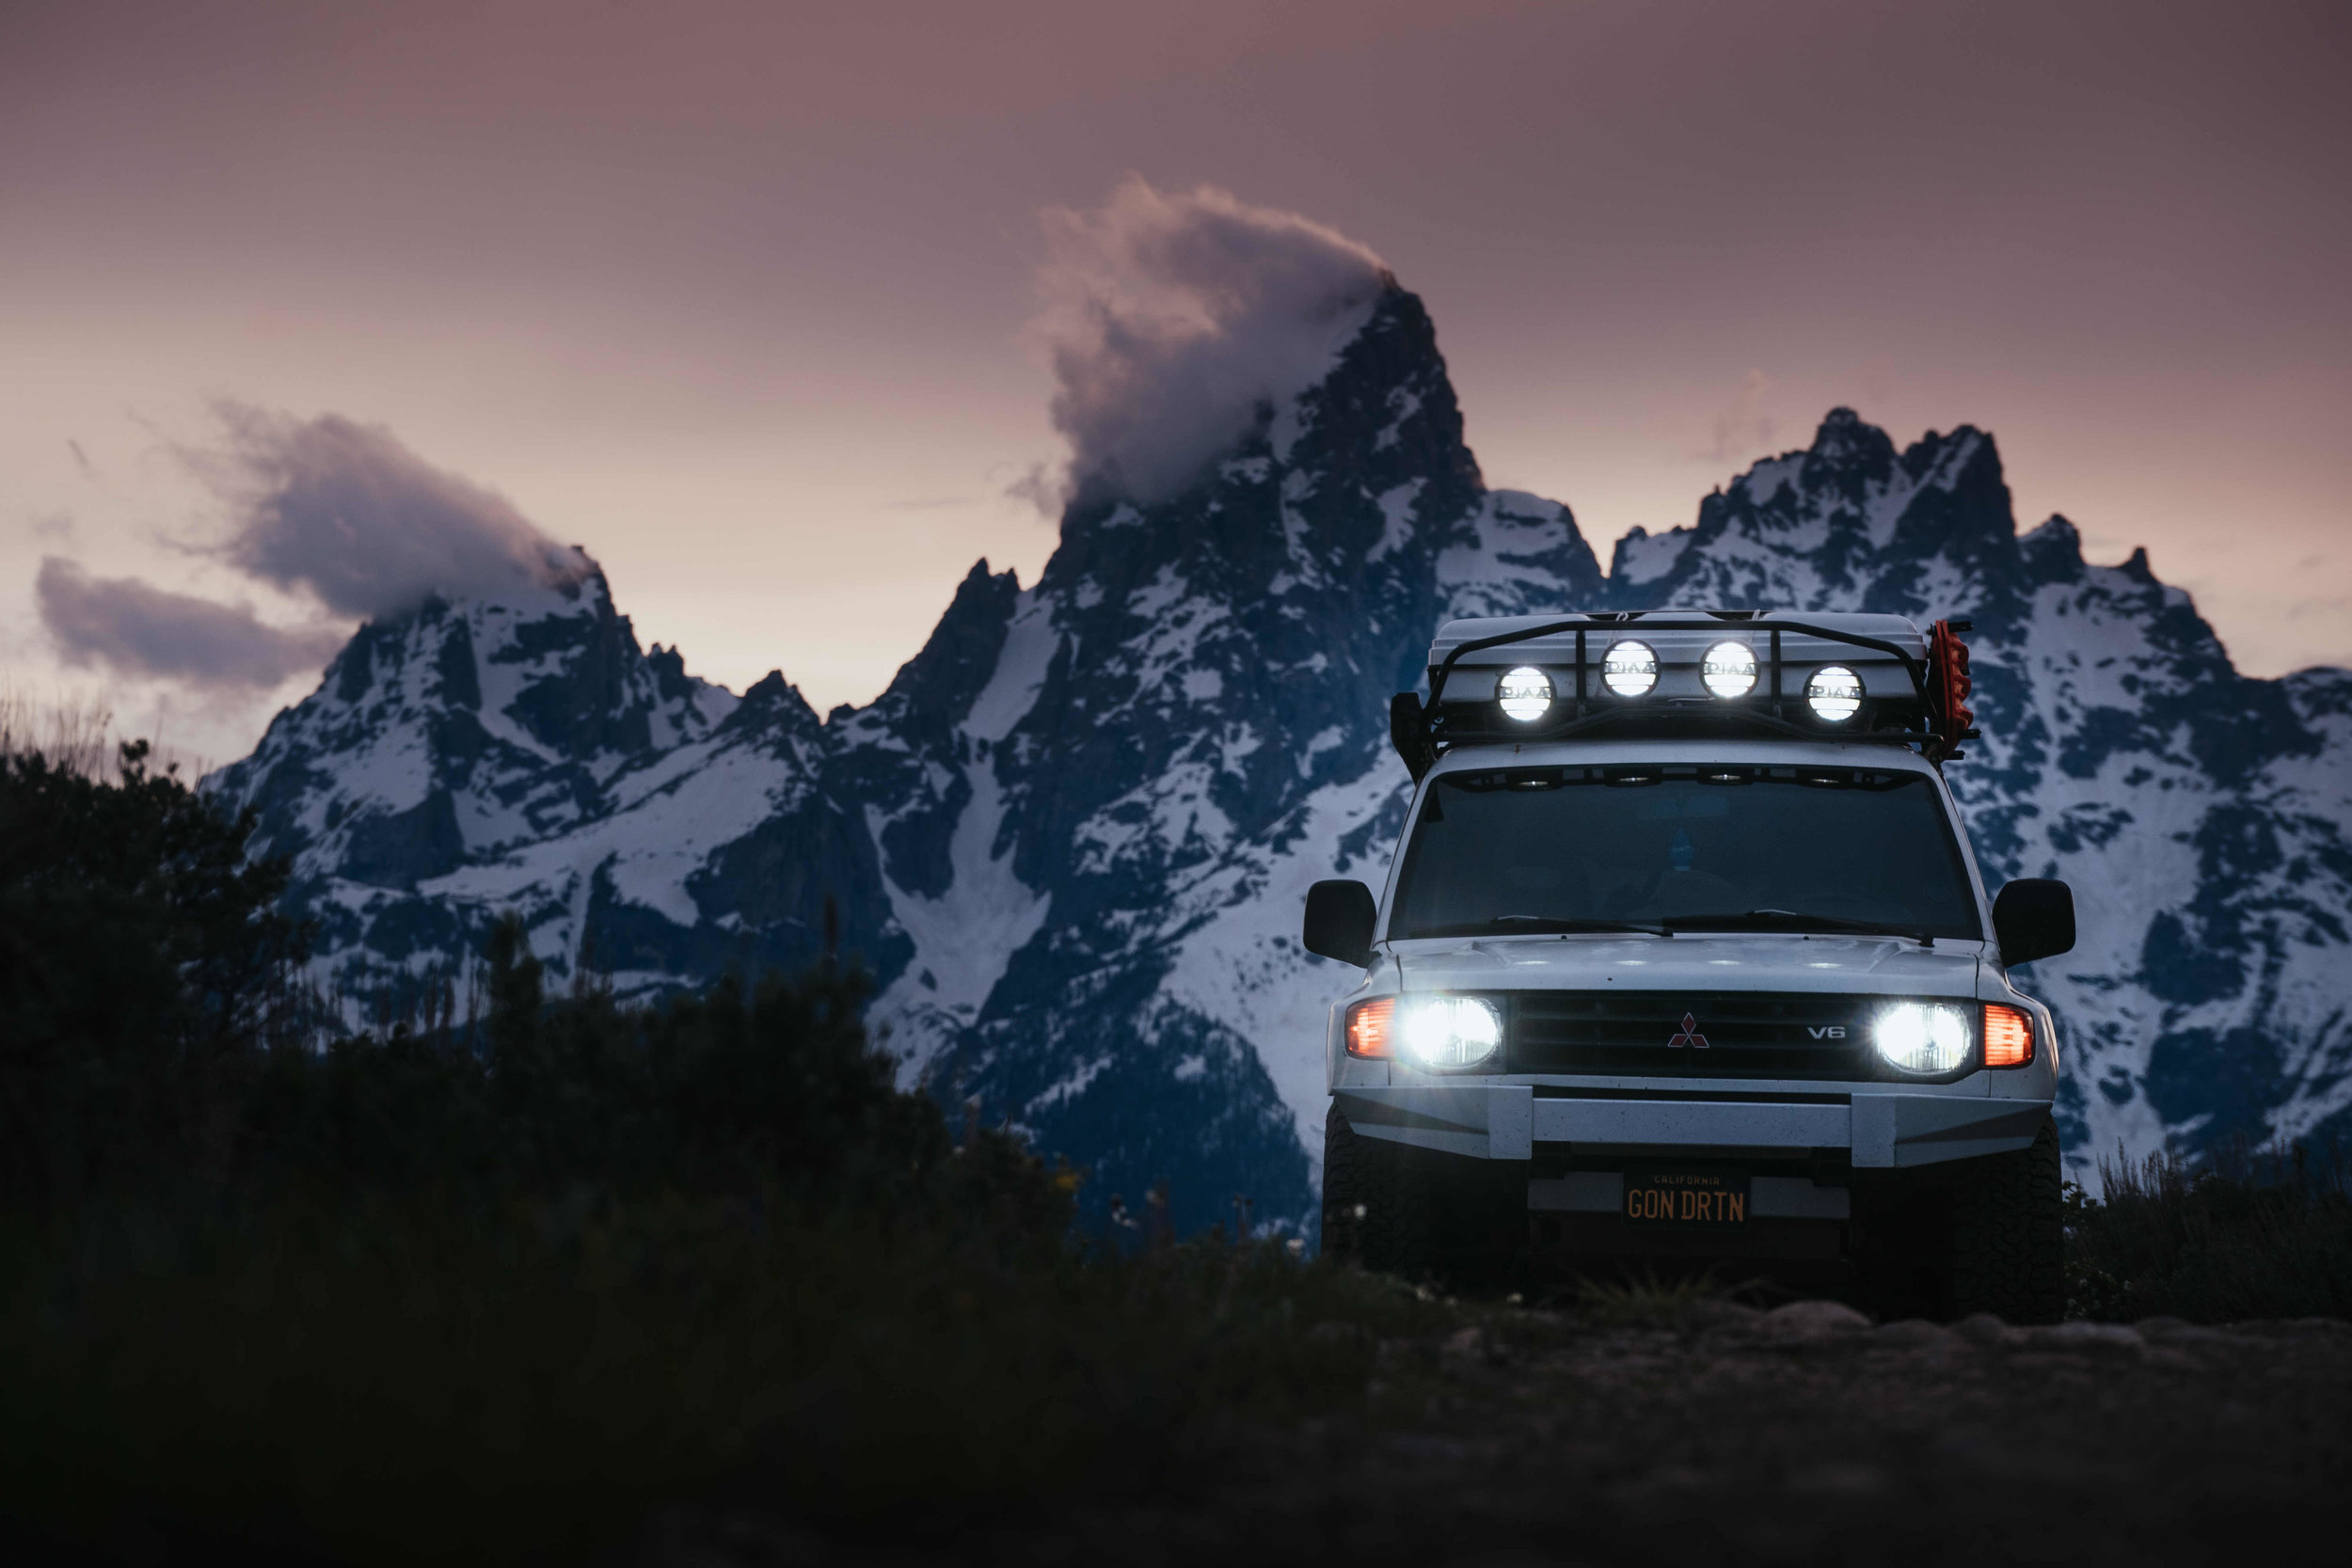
1696 1200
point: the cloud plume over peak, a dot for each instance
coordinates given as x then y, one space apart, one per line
1170 318
346 513
328 508
143 630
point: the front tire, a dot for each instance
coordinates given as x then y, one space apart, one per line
2009 1235
1376 1201
1981 1235
1415 1213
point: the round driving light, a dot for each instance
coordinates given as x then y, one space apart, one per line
1448 1031
1630 670
1525 695
1730 670
1834 694
1921 1036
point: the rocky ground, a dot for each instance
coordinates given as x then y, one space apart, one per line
1729 1434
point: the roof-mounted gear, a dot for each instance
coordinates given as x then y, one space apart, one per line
1676 671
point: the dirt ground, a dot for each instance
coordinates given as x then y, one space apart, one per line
1802 1435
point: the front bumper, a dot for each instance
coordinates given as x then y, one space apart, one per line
1875 1128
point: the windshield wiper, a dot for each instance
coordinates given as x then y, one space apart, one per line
1790 920
1539 924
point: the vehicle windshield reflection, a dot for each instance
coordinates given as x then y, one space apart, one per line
1732 847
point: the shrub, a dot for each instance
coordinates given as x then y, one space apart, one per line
155 1036
144 971
770 1087
2252 1234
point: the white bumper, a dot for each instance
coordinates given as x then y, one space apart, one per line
1881 1130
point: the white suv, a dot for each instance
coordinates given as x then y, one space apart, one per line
1684 955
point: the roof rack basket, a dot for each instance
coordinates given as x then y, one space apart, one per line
1423 731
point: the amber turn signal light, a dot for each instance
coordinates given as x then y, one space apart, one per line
2008 1036
1368 1026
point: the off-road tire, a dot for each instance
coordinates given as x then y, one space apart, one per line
1376 1201
1419 1213
2009 1235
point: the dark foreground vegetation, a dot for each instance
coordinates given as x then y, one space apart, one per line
496 1291
698 1283
2251 1233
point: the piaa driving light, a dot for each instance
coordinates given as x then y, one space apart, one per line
1922 1036
1730 670
1630 670
1525 695
1834 694
1447 1031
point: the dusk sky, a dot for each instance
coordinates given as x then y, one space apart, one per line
755 301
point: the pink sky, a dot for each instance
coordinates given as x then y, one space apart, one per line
734 295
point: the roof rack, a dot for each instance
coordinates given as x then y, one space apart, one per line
1926 708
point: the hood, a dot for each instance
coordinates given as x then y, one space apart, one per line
1696 962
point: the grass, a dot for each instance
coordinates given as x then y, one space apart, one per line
1644 1300
75 731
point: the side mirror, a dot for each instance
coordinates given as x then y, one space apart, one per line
1339 918
2034 918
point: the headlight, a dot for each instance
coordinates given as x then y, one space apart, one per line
1834 694
1525 694
1448 1031
1922 1036
1630 669
1730 670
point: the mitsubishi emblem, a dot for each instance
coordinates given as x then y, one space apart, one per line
1690 1036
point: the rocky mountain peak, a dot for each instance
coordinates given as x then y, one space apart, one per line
1848 522
1847 455
938 686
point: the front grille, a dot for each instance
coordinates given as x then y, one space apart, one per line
1642 1034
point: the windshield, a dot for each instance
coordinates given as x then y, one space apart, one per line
1734 846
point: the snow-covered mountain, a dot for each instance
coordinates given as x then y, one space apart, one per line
1073 837
523 752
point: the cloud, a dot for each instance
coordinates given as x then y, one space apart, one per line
346 513
1742 428
1170 318
932 503
139 629
336 511
2333 608
1043 488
